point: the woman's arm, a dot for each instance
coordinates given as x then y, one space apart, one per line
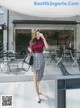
29 49
44 40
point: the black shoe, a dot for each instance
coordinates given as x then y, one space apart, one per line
38 99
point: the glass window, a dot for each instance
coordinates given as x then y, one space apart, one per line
1 10
23 37
60 39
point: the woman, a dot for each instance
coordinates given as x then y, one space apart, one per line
37 44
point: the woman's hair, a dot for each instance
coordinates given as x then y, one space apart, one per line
34 36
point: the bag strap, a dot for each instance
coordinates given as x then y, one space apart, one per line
25 57
24 62
25 69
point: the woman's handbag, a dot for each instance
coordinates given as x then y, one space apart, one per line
28 59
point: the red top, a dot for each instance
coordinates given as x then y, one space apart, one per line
38 47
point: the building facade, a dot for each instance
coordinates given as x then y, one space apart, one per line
17 29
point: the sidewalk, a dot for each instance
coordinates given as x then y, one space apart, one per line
24 95
22 89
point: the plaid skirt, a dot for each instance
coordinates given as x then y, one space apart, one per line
38 65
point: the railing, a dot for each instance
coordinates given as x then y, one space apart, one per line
9 62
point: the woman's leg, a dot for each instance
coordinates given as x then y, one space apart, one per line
36 83
36 86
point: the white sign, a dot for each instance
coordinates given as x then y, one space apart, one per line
44 8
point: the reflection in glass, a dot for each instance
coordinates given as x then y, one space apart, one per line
73 98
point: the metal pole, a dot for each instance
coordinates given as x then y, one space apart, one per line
7 30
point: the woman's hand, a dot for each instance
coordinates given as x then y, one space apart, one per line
41 35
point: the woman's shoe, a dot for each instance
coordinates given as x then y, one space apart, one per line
38 99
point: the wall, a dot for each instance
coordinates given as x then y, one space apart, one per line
1 18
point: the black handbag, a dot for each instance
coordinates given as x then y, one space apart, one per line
28 59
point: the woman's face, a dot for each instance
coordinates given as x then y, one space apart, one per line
38 35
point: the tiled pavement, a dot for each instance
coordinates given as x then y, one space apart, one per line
23 91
